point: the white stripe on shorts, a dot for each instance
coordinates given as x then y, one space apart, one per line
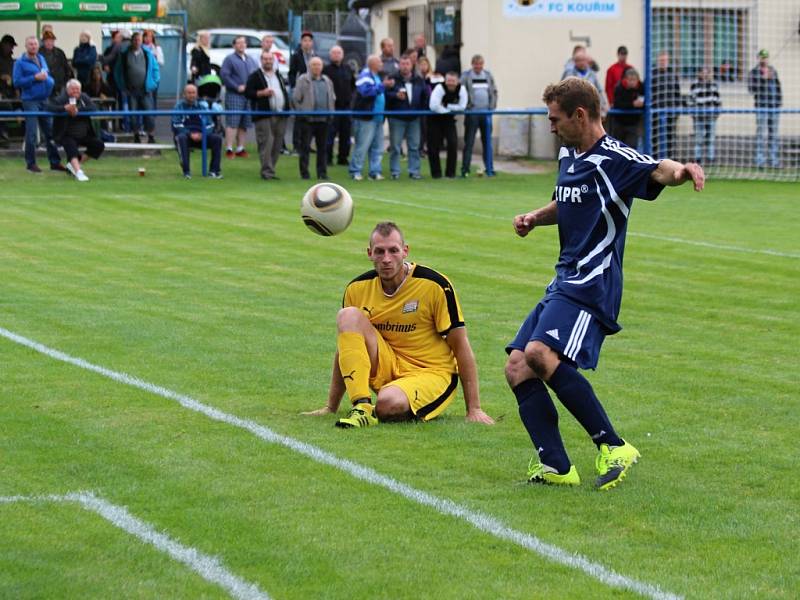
575 328
576 336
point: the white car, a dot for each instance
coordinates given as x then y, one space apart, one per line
222 45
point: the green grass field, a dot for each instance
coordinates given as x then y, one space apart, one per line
216 290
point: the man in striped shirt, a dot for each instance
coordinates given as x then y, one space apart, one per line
704 94
597 181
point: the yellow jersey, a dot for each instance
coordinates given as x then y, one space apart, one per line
415 320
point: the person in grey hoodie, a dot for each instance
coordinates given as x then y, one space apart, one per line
482 93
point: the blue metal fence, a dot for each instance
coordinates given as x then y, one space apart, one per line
660 113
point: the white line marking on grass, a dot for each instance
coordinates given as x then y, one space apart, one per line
662 238
208 567
666 238
479 520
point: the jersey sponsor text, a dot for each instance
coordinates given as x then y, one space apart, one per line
398 327
565 193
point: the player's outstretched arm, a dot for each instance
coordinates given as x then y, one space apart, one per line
547 215
335 392
672 173
468 373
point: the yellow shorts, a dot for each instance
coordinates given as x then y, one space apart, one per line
429 391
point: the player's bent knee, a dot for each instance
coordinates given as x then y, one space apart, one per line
541 358
392 405
516 369
351 319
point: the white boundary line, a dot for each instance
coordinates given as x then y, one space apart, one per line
208 567
662 238
481 521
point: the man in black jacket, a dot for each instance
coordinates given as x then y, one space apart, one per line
628 95
266 91
764 84
57 61
298 64
450 60
343 84
666 93
71 130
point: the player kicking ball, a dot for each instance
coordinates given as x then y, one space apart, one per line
598 178
401 334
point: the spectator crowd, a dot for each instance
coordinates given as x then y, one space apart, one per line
43 79
417 103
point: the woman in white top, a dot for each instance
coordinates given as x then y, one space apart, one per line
149 42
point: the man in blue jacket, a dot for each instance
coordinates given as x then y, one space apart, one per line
368 129
188 131
236 68
408 93
137 75
32 77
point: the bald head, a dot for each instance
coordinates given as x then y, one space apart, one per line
374 63
32 45
315 67
190 93
336 54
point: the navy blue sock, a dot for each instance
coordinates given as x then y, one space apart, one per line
540 418
576 393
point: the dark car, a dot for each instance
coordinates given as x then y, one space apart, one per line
355 48
353 37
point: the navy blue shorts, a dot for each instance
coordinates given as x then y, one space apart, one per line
566 328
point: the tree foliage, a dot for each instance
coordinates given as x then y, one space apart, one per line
257 14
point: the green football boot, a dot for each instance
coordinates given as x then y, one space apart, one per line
613 463
541 473
361 415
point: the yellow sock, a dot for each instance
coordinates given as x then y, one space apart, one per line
354 364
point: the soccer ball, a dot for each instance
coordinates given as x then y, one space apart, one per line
327 209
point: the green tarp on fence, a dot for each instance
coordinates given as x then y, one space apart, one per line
72 10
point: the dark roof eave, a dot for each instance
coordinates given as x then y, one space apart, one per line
362 3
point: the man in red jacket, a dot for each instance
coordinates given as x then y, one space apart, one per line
614 75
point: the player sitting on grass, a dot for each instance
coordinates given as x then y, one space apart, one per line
402 334
598 177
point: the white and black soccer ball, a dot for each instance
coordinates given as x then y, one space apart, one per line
327 209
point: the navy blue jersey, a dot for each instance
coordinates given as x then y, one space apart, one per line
594 192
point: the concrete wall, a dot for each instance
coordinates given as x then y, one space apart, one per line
525 54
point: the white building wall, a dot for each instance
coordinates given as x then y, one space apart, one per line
525 53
